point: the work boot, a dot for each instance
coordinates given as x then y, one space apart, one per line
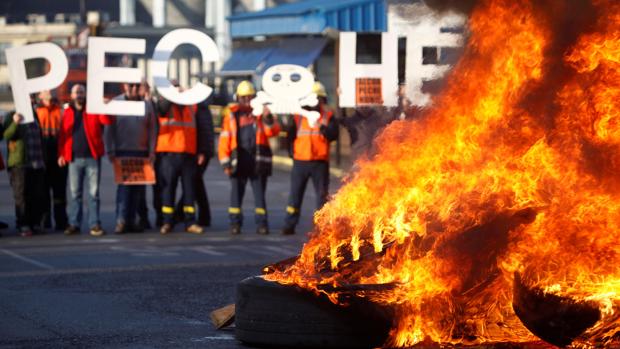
71 230
120 228
96 230
235 229
288 231
194 229
262 229
165 229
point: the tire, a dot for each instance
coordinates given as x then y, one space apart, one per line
270 314
555 319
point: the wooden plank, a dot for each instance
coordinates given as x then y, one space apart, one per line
223 317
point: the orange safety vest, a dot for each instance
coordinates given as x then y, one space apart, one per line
49 120
228 140
177 132
310 144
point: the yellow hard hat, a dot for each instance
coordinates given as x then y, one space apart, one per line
245 88
319 89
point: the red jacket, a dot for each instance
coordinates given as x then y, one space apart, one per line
93 124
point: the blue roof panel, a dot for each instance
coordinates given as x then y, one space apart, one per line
303 7
299 51
255 57
246 59
312 17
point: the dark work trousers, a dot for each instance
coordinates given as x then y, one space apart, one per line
302 171
28 192
259 187
173 166
18 183
202 199
143 209
35 194
157 194
55 196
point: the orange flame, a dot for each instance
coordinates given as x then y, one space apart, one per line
491 181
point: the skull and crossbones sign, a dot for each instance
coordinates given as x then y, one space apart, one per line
287 89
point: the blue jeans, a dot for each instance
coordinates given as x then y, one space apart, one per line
128 200
79 169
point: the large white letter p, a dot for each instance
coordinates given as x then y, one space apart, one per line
22 86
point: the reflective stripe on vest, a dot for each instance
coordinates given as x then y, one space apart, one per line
261 138
310 144
307 133
177 132
230 143
263 158
176 123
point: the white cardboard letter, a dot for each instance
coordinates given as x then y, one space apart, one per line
98 74
387 71
161 55
428 34
22 86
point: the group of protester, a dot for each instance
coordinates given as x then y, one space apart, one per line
67 144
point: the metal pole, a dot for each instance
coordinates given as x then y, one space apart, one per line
127 12
83 11
340 113
159 13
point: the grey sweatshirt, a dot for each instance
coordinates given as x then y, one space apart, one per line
132 133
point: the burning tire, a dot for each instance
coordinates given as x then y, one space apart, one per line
555 319
268 313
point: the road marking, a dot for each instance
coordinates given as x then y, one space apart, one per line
250 249
101 241
207 250
161 267
146 251
283 250
27 260
224 337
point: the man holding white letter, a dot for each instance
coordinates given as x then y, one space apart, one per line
181 148
131 136
80 145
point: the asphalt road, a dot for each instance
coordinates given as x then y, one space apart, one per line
135 290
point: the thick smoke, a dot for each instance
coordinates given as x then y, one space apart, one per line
463 6
567 21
